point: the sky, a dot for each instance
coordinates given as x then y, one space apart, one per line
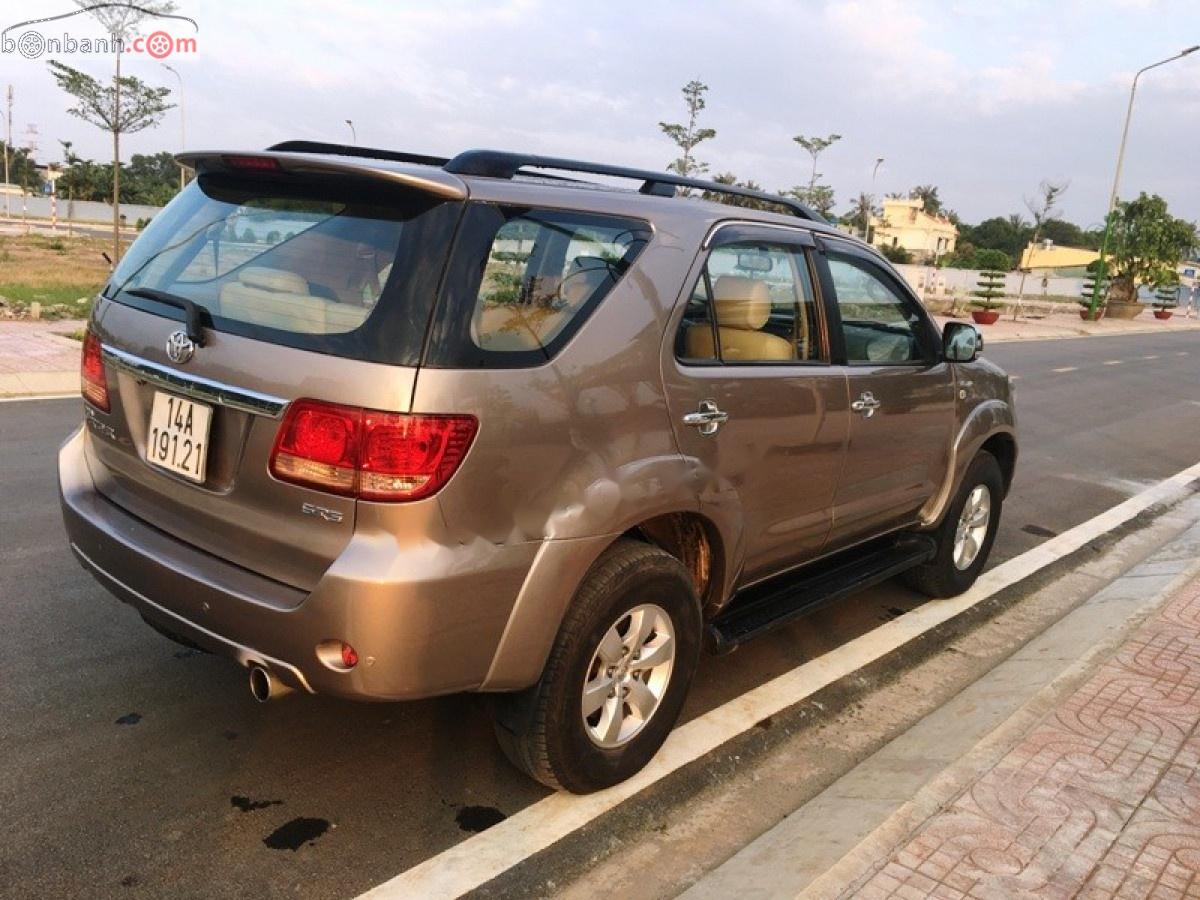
983 99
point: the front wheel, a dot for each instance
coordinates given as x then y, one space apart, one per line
616 678
968 530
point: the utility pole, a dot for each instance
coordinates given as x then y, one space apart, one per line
182 125
1112 198
7 148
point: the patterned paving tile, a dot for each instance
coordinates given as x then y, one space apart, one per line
1156 855
1101 799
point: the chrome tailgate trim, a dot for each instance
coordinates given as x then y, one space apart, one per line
207 390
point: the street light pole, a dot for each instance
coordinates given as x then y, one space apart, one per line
1112 199
7 150
353 133
867 217
182 125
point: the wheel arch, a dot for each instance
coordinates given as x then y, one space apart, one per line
990 426
560 567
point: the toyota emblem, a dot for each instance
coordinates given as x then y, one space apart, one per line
180 347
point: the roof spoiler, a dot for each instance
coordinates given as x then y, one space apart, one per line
426 178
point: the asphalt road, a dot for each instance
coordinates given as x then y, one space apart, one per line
132 767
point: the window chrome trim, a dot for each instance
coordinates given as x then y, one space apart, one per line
805 234
206 390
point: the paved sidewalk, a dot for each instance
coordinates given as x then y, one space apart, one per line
36 358
1069 325
1101 799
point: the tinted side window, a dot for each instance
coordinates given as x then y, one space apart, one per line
879 324
753 303
543 271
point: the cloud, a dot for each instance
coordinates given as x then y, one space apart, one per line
983 99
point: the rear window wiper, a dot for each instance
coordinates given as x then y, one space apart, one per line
191 311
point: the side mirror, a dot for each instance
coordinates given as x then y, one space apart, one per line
961 342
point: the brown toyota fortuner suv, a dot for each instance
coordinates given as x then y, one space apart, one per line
384 426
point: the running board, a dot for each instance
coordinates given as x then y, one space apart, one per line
766 606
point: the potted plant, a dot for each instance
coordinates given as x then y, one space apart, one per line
987 307
1146 243
1091 290
1165 300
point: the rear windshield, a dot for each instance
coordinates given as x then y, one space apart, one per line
337 267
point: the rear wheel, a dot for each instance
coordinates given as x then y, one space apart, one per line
965 537
616 678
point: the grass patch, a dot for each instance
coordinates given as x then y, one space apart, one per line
62 274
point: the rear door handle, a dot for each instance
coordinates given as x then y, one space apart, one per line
708 419
866 404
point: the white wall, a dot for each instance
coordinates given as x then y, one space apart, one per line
77 210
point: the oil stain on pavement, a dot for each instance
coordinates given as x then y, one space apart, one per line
129 719
295 834
245 804
478 818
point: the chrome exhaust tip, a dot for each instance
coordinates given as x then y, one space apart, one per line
264 686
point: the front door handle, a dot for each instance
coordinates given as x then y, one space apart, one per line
708 419
866 404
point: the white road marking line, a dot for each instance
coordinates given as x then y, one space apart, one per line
1113 362
1153 356
1065 369
1181 353
72 394
477 860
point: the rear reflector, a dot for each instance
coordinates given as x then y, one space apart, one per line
367 453
252 163
93 383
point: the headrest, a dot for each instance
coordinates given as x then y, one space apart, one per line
273 280
584 275
742 302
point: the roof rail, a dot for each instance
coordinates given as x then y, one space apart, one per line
501 164
361 152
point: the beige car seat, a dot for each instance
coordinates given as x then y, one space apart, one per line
530 326
279 299
743 307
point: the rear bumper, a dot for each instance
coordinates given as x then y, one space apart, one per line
425 618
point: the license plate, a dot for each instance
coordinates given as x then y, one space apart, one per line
177 439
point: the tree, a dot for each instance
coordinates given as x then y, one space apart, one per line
688 137
152 180
928 193
22 169
815 147
995 260
997 233
119 20
734 200
1041 208
819 199
991 287
896 254
1146 244
861 213
127 106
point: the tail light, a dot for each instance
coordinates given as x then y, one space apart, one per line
93 384
367 453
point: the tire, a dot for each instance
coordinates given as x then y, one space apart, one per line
942 576
543 730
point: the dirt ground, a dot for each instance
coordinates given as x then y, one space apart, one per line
61 273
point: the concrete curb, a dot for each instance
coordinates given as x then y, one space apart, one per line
27 385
